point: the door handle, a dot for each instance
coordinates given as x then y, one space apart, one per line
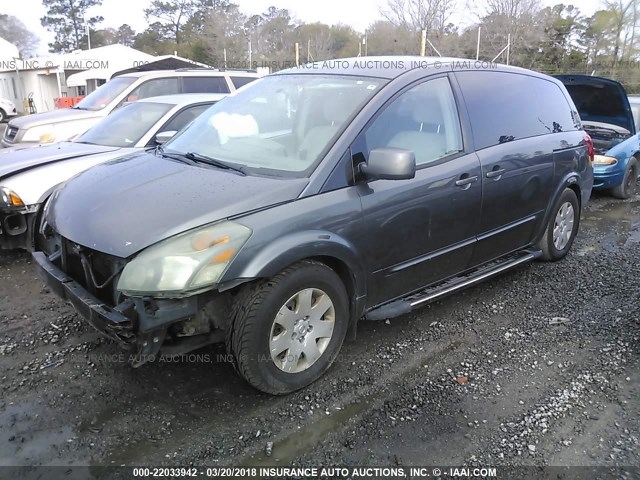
495 173
466 181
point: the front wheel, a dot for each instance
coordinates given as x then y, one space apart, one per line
3 116
629 184
287 331
562 227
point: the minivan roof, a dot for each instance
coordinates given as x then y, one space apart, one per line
391 67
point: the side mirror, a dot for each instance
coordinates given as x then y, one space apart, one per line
164 137
390 164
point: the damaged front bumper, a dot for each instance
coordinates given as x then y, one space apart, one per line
141 325
17 227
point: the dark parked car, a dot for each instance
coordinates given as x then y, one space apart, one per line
608 117
316 197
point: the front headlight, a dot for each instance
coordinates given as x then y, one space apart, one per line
9 198
604 160
185 263
41 134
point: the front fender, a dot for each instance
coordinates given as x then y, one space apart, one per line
266 260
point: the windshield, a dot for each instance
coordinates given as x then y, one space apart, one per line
281 124
126 126
105 94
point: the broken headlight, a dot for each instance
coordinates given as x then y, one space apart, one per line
185 263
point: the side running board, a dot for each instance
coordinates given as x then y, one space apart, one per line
430 294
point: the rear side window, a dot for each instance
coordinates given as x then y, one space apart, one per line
241 81
555 112
154 88
205 85
505 106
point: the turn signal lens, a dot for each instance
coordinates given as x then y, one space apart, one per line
604 160
47 138
16 201
203 240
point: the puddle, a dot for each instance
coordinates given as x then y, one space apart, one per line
308 436
615 224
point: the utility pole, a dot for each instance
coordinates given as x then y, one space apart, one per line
423 43
297 54
250 63
508 47
86 29
478 44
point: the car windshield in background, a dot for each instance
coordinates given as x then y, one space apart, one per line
126 126
281 124
104 95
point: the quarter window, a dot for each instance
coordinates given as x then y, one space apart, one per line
424 119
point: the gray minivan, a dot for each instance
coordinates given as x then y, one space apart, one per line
314 198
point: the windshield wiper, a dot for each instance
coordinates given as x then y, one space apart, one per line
174 156
198 157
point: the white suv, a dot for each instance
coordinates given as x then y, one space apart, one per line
64 124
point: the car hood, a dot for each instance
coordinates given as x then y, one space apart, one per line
125 205
54 116
21 159
600 100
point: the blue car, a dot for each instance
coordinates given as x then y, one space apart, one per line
611 119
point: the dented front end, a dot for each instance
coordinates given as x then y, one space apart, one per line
145 326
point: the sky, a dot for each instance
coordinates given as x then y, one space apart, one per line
357 13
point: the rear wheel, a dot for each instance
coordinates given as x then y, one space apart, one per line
287 331
629 185
562 227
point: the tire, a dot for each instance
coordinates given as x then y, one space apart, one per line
3 115
629 184
254 331
566 220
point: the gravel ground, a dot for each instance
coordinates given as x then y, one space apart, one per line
536 367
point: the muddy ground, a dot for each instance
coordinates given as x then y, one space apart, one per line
537 367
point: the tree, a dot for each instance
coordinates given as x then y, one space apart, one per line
14 31
223 34
155 40
66 18
172 14
385 38
125 35
624 15
418 15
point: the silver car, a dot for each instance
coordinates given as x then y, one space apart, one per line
67 123
28 176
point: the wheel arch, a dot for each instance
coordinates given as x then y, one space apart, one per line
325 247
571 182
